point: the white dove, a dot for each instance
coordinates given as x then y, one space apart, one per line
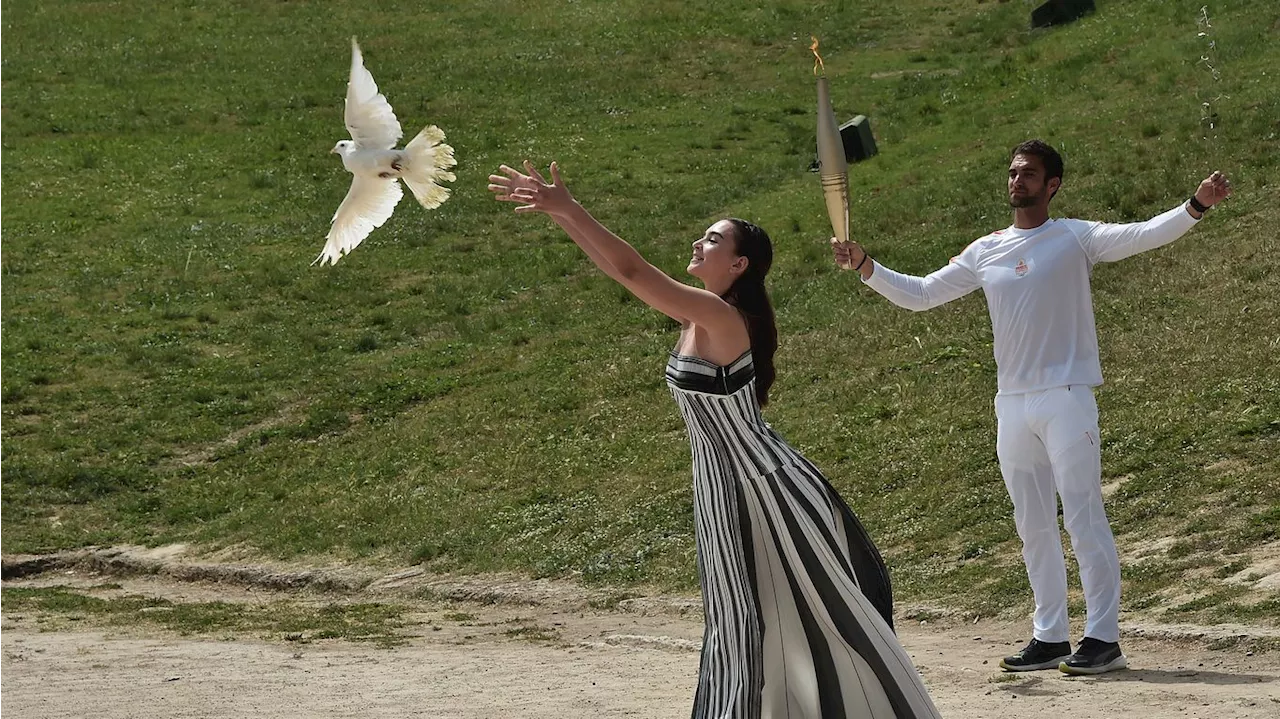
372 158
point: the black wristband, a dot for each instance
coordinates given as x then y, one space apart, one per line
863 262
1195 205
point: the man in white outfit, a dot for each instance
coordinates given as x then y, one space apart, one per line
1035 275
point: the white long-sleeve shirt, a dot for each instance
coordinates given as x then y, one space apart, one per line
1037 287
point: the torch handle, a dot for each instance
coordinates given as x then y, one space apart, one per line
835 191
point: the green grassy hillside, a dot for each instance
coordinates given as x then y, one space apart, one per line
465 390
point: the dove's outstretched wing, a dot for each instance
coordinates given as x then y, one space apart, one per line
368 204
368 116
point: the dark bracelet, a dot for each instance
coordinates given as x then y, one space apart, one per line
863 262
1195 205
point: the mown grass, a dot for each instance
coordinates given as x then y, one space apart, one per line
464 391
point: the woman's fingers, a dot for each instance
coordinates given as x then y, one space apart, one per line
533 172
515 186
501 192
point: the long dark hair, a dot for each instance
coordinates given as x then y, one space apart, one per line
749 296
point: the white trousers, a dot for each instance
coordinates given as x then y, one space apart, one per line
1048 447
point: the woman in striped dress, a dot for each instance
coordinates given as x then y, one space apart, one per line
797 599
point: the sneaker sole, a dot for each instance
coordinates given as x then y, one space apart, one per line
1119 662
1050 664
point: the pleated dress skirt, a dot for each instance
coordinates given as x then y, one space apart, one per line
798 605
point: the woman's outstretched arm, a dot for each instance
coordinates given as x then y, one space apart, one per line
512 180
611 253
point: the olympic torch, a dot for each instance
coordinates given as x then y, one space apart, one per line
833 169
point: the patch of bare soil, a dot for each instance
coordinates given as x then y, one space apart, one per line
506 647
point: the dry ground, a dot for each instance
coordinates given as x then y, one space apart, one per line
504 647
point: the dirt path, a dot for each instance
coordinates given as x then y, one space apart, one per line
555 660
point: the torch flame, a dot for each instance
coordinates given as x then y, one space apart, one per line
817 58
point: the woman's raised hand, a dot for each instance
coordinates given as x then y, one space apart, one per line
532 190
511 179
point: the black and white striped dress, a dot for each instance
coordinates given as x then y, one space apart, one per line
797 599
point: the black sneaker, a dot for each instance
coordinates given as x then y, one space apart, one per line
1094 657
1037 655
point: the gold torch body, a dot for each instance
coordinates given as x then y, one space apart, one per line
833 168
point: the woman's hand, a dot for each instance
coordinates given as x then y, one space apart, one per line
511 179
532 190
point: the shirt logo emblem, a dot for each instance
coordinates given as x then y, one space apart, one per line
1022 268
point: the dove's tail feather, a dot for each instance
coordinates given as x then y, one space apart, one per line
428 161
